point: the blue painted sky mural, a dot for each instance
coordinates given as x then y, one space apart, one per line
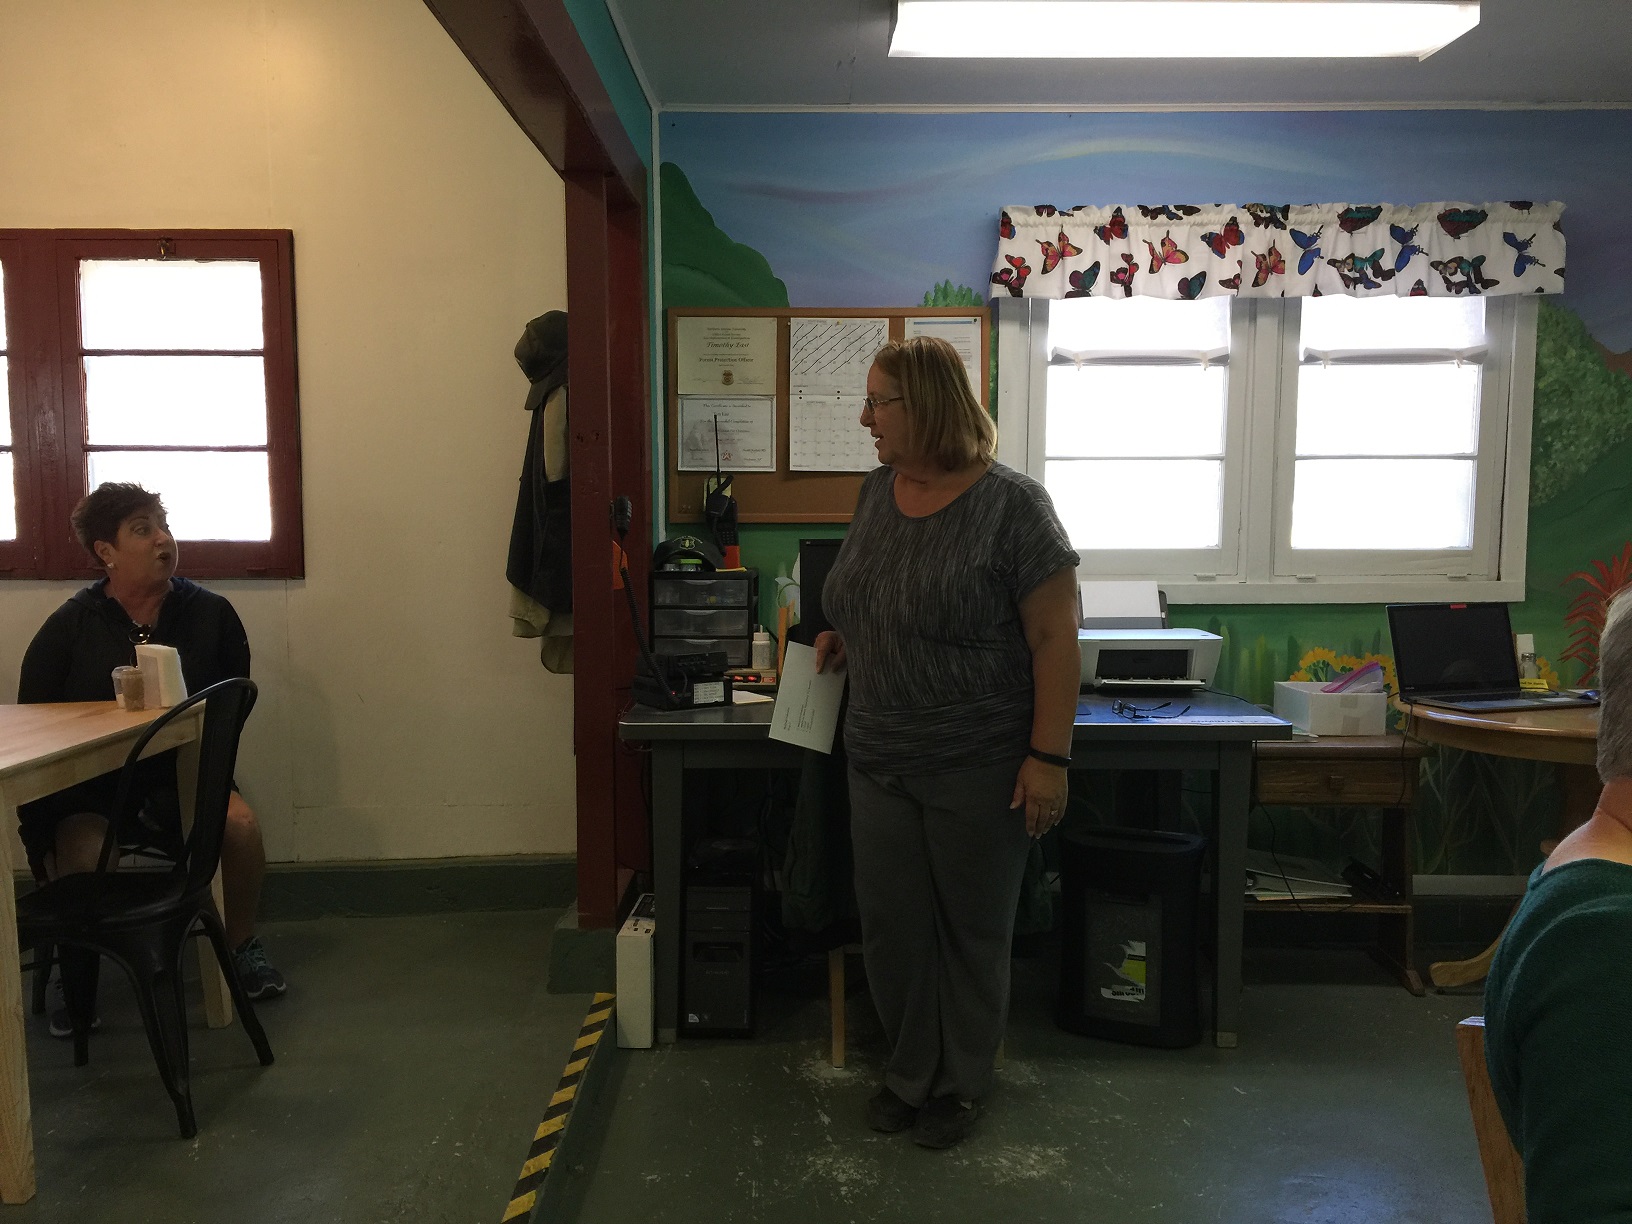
875 209
878 209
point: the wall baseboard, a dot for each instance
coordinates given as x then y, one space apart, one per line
418 886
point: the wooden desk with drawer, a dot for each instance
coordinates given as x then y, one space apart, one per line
1354 771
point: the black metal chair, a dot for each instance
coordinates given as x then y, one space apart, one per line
141 920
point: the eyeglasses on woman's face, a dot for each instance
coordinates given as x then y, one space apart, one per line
872 402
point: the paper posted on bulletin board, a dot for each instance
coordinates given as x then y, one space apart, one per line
828 361
728 435
961 334
716 355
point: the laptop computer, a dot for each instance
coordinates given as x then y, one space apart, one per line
1460 656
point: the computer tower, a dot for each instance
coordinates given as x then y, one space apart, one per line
717 996
717 947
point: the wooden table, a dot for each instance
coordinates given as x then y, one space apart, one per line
1567 738
44 748
1378 771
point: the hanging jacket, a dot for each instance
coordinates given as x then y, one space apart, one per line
540 559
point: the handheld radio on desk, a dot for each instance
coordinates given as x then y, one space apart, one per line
720 508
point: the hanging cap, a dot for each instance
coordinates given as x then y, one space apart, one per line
542 355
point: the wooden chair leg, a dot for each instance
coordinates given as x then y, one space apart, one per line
44 957
1467 972
1504 1170
835 1005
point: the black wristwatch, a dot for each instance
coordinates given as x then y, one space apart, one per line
1048 758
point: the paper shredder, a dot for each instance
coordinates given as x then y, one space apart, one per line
1128 948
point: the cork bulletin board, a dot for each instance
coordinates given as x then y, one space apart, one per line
786 495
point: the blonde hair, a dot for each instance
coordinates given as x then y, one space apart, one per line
945 422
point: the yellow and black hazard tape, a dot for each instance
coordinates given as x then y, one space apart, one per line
547 1138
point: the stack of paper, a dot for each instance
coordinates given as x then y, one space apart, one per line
1284 877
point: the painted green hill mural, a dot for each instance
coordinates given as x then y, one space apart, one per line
702 266
1583 408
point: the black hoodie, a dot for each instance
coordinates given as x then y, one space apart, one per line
73 655
72 658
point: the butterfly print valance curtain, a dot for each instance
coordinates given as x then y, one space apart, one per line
1186 251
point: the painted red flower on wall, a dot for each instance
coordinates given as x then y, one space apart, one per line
1585 617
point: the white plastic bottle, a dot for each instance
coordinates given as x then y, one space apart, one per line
764 656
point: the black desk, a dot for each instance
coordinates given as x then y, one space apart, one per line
1215 736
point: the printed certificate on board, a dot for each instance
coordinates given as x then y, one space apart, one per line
725 356
961 334
739 433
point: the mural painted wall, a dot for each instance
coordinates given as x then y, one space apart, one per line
886 210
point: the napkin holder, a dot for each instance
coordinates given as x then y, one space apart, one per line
162 682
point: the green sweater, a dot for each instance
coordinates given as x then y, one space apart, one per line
1558 1041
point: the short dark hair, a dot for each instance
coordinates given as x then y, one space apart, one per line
100 512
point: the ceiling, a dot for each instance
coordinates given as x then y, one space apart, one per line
833 53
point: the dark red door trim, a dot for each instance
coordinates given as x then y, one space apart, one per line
529 53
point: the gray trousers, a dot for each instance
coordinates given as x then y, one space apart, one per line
939 862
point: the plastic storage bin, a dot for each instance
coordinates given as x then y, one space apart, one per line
1128 947
703 622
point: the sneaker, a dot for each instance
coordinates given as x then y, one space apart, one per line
888 1114
260 980
57 1022
944 1122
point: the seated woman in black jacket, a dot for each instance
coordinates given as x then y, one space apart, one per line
72 658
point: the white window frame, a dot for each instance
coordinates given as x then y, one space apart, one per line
1255 563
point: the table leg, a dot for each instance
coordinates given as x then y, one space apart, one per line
1232 798
668 772
1578 791
16 1122
1395 949
217 998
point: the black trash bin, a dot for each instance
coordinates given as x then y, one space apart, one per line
1128 948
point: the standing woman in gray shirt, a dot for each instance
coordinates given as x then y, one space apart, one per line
954 606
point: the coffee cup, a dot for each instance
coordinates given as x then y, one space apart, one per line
127 688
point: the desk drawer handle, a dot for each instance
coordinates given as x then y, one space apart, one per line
1334 782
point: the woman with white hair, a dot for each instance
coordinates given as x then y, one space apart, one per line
1558 1001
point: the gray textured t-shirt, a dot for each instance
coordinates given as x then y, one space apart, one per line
940 673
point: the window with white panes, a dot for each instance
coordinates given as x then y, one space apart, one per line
174 368
1316 449
1389 424
164 360
1135 442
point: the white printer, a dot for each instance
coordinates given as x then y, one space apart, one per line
1125 643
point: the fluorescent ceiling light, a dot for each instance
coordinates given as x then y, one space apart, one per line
1175 29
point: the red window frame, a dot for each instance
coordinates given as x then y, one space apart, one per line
48 395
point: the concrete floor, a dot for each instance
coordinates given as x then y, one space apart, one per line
1343 1104
415 1057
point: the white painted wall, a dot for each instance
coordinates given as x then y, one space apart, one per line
398 718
